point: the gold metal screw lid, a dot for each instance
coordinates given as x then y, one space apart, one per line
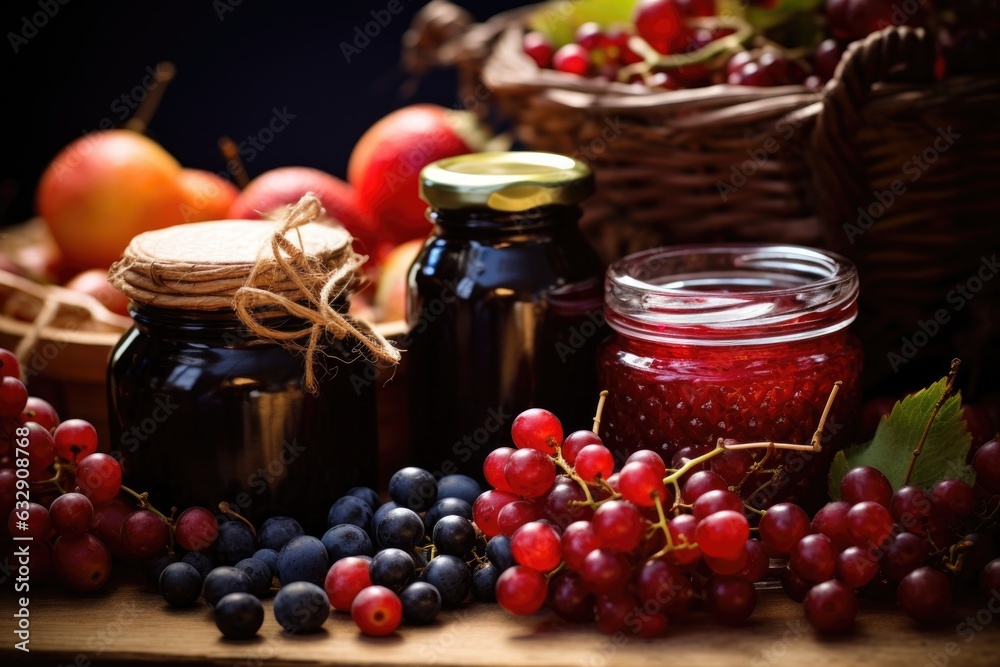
511 181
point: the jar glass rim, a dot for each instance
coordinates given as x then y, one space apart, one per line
731 294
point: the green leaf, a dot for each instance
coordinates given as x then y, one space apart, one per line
943 454
558 20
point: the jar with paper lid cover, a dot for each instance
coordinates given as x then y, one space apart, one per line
235 382
504 304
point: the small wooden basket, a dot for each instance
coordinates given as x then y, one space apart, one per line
721 163
906 171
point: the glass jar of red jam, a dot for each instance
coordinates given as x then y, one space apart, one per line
505 305
203 410
741 342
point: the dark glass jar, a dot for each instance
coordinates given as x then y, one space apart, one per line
739 341
504 305
203 410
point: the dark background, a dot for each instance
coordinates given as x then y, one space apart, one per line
235 64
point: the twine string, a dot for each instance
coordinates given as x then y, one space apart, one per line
312 301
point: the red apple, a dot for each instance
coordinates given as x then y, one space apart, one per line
385 165
390 291
207 196
95 283
103 189
268 195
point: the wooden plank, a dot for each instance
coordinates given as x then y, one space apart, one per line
133 625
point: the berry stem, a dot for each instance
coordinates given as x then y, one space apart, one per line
600 409
226 509
568 469
144 503
949 387
817 439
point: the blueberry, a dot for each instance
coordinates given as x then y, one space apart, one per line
484 583
346 540
269 557
224 580
200 561
352 510
421 602
451 576
413 488
275 532
378 516
366 494
400 528
154 567
392 568
302 559
259 573
498 553
446 507
301 607
459 486
180 584
239 615
454 535
235 542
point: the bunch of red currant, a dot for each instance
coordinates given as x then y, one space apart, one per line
636 547
59 492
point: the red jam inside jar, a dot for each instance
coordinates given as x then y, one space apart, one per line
741 342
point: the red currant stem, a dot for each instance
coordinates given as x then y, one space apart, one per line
948 388
717 49
613 495
600 409
559 568
754 468
775 445
144 504
677 495
226 509
680 472
817 439
754 509
568 469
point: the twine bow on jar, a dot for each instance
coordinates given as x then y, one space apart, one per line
317 284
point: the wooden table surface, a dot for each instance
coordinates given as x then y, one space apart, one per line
129 624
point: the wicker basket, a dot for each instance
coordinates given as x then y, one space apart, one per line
700 165
906 173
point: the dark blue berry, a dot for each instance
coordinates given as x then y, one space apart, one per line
200 561
235 542
392 568
498 553
400 528
269 557
275 532
302 559
259 573
366 494
454 535
413 488
421 603
451 576
154 567
459 486
446 507
239 615
352 510
484 583
301 607
346 540
180 584
378 516
224 580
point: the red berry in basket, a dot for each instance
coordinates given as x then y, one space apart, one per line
538 48
9 366
377 611
572 59
825 61
75 439
659 22
696 8
589 36
867 16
